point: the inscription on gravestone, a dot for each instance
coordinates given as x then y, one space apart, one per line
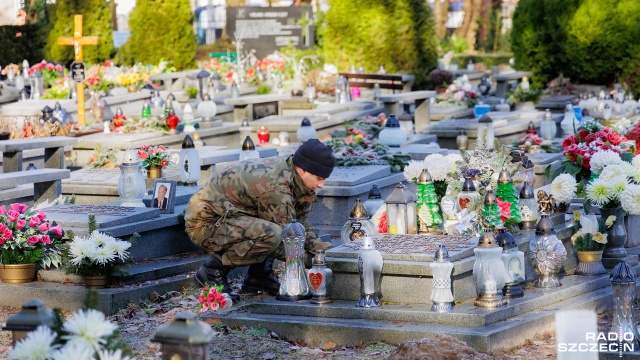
266 29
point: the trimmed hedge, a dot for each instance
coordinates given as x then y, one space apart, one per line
160 29
399 34
27 45
589 41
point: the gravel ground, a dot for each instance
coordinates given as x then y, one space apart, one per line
139 322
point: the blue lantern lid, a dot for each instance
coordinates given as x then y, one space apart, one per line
392 121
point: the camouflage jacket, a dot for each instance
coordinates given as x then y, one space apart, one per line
268 188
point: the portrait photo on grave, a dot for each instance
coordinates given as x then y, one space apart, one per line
164 194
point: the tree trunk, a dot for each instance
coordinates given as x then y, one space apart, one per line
470 23
440 13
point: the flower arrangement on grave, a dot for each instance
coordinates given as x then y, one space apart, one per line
440 78
88 334
560 86
460 92
360 147
98 83
579 150
27 237
5 70
98 254
212 298
441 169
163 67
57 91
591 233
50 72
103 157
625 125
154 156
608 189
524 93
135 76
564 188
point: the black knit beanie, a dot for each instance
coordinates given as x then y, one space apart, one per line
315 157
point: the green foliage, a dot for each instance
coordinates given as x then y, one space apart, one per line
191 91
396 33
160 28
263 89
20 42
96 21
589 41
518 95
454 43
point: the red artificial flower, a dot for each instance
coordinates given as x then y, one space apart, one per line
590 138
505 209
570 140
586 161
164 162
583 134
143 155
383 226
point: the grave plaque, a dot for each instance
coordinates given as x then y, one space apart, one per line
265 109
266 29
78 71
77 216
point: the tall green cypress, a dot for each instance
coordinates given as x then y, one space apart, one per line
96 21
161 29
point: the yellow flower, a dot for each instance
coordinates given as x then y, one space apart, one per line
576 215
610 220
575 237
600 238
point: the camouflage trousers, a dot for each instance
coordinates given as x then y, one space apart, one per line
246 240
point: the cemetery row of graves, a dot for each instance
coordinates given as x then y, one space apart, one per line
482 209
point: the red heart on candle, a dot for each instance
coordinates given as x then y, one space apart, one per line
315 279
463 203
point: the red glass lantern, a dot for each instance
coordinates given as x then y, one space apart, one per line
119 118
531 129
172 121
263 135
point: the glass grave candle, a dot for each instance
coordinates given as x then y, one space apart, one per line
528 207
189 164
468 193
513 261
294 285
441 268
401 211
370 265
320 279
358 225
547 254
488 272
548 128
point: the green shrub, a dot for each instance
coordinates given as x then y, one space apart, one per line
396 33
96 21
160 29
28 45
191 91
588 41
488 60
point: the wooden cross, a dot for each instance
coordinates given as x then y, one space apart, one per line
77 41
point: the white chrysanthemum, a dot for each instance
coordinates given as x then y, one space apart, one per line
618 186
112 355
38 345
437 166
603 158
452 159
629 170
79 249
119 248
636 161
630 199
598 192
563 188
102 255
612 172
101 238
76 351
88 327
413 170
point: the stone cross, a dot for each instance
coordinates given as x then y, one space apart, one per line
77 41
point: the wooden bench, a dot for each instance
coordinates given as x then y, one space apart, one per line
251 106
385 81
394 104
47 183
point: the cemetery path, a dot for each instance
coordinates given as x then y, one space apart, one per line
139 322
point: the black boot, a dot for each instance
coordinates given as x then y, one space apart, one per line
212 272
260 277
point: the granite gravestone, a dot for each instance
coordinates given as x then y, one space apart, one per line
266 29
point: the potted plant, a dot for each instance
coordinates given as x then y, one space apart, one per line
589 242
26 239
154 158
524 96
440 79
97 257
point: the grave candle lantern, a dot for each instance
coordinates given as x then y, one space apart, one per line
462 140
60 114
374 200
568 124
547 254
263 135
311 92
119 118
131 183
428 210
202 76
306 131
358 225
406 122
185 338
528 207
172 120
548 128
249 150
207 108
392 135
513 261
488 272
485 128
188 119
215 83
623 286
468 193
47 114
377 92
10 75
146 110
189 163
320 279
235 90
34 313
606 113
484 85
441 268
401 211
37 85
156 100
370 265
342 90
294 285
